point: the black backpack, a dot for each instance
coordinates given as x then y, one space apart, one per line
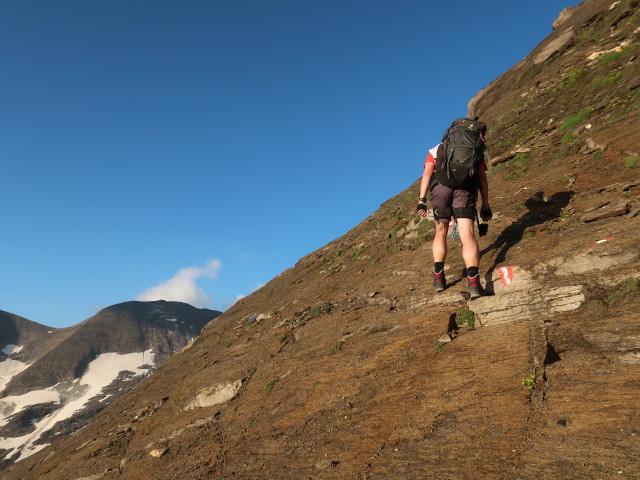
461 153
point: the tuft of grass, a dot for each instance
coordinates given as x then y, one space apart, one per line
466 316
333 257
628 289
528 235
527 134
630 284
603 81
632 162
518 166
595 306
269 385
612 57
315 312
337 347
440 346
568 138
597 300
576 119
357 253
597 155
568 81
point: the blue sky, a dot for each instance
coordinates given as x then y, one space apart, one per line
196 149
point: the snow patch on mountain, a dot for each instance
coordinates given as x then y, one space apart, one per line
70 396
9 368
11 349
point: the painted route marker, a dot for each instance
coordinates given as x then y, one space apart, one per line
598 242
506 275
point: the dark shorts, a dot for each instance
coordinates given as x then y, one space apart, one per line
457 202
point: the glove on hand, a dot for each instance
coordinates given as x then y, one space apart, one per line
485 213
422 206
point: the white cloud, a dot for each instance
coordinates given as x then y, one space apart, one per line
182 287
230 303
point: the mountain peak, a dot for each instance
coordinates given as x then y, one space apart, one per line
54 381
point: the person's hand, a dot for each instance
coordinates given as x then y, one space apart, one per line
485 213
422 209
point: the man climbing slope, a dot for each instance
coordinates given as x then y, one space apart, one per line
453 172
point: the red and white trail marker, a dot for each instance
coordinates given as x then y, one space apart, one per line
506 275
598 242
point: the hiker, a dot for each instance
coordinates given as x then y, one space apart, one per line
453 178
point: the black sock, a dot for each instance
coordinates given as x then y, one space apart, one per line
438 267
472 272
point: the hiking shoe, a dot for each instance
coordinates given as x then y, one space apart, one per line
439 282
475 290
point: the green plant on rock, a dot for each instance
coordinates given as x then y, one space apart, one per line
334 256
631 285
612 57
269 386
628 289
528 134
466 316
632 162
604 80
357 253
315 312
576 119
569 80
518 166
529 382
337 347
595 306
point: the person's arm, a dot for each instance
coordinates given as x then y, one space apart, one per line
424 185
484 187
485 210
426 178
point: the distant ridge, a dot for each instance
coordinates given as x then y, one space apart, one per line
52 381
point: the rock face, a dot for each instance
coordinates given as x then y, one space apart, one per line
54 381
340 366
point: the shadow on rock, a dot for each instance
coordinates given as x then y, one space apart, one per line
541 210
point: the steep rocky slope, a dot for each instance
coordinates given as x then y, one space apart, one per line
348 366
54 381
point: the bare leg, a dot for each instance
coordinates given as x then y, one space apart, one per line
470 250
440 242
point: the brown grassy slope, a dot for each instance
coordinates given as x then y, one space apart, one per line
344 376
